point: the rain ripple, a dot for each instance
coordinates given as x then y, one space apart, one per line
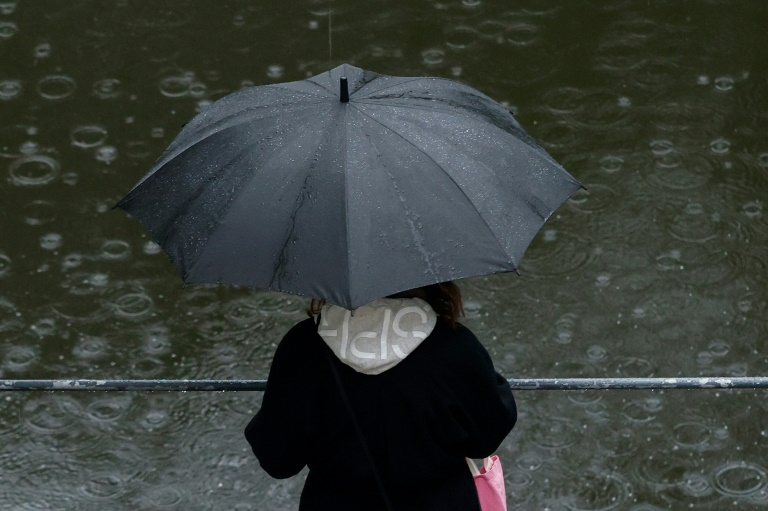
594 492
741 479
56 87
34 170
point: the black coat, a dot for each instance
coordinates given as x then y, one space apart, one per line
420 419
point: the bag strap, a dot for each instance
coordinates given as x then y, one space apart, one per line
352 415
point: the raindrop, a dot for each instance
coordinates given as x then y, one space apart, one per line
107 88
90 348
44 327
42 50
471 3
433 57
88 136
724 83
106 486
596 353
461 37
7 29
34 170
152 248
115 250
19 358
522 34
69 178
9 89
720 146
753 209
703 80
197 89
313 25
56 87
739 479
71 261
5 264
550 235
29 147
719 348
7 6
174 86
624 102
275 71
603 280
157 133
39 212
106 153
51 241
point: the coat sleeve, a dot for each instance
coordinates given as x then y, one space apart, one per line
277 433
484 403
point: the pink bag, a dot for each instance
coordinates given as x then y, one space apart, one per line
489 481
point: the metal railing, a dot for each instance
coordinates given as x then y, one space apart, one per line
711 383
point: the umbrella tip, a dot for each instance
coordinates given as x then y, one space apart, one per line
344 92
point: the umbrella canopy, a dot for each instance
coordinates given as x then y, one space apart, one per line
349 186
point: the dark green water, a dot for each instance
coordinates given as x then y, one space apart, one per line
658 269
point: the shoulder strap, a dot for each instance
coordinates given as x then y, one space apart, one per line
352 415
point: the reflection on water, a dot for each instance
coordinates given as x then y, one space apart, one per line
658 268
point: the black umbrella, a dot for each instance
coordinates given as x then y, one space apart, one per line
349 186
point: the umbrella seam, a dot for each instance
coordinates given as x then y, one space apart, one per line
449 177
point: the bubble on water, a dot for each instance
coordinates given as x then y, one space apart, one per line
56 87
603 280
34 170
522 34
10 89
71 261
433 57
108 88
51 241
39 212
275 71
106 154
724 83
623 102
8 29
753 209
42 51
740 479
20 358
151 248
29 147
703 80
8 6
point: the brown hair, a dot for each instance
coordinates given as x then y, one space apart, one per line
444 298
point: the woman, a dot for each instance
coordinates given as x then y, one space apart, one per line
383 404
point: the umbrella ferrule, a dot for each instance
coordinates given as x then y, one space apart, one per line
344 90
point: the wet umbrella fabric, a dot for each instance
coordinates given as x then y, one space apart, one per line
294 187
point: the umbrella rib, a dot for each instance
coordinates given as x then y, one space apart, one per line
378 91
447 174
295 91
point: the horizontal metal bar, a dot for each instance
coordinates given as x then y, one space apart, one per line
712 382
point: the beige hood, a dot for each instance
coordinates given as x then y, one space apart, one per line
377 336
